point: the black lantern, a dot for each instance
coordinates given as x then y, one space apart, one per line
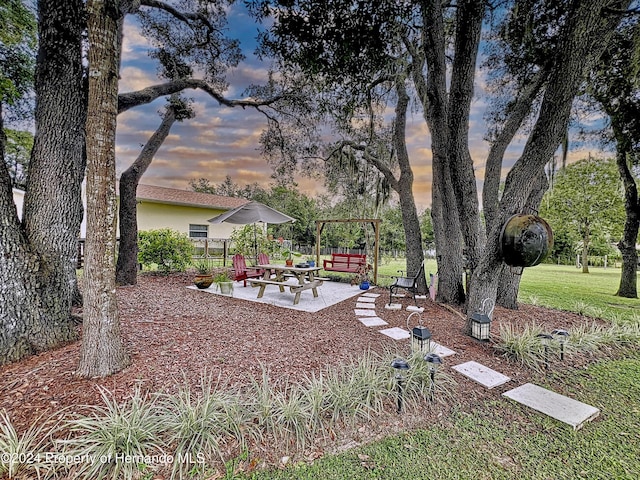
433 360
480 326
544 339
562 336
420 339
399 365
420 336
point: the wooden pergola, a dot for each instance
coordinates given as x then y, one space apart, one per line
375 223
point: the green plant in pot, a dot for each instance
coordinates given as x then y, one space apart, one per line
224 282
204 277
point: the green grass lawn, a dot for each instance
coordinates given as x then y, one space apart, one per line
567 288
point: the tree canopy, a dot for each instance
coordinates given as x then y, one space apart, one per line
586 202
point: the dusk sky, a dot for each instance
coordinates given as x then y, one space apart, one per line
223 141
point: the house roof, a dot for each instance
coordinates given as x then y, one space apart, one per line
174 196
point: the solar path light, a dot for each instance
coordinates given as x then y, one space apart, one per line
399 365
544 339
562 336
433 360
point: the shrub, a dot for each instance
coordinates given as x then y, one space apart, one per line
169 249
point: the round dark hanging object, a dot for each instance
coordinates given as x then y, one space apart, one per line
525 240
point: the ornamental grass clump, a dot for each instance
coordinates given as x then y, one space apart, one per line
292 413
523 346
316 392
27 454
418 385
195 425
115 440
349 397
261 404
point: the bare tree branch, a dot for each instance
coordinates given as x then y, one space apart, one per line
182 16
147 95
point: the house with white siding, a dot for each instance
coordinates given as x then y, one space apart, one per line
182 210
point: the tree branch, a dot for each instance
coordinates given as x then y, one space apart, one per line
369 158
182 16
147 95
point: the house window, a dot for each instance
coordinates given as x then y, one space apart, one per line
198 231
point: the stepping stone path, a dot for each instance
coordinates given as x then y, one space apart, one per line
564 409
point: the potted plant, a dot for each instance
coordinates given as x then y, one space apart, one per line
311 261
223 282
361 278
203 278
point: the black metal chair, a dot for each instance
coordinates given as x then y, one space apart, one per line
408 283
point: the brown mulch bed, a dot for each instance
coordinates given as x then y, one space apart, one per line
173 333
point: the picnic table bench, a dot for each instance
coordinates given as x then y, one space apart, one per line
281 280
345 262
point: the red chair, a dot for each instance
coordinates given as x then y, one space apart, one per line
240 269
263 259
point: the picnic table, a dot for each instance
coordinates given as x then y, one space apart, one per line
275 274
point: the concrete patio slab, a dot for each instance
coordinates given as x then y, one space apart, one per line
565 409
329 293
396 333
483 375
365 305
372 321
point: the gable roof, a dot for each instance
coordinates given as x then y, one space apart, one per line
175 196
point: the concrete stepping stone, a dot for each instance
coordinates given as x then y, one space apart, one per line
396 333
483 375
441 351
362 298
365 305
372 321
553 404
413 308
364 312
372 295
393 306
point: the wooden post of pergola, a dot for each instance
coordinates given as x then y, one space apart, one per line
375 223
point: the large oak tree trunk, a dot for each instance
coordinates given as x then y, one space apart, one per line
587 33
37 266
410 219
127 266
469 17
627 245
102 351
433 95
